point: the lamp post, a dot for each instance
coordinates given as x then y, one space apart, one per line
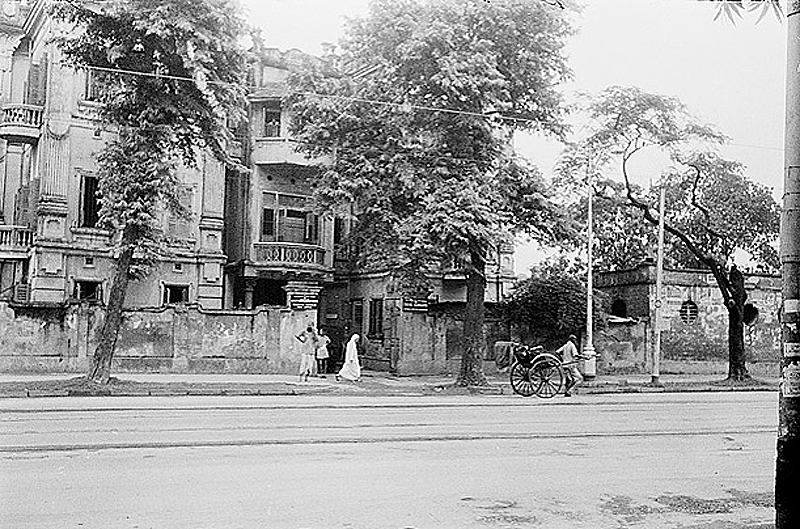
654 378
590 363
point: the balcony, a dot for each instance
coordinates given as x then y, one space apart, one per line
269 150
290 255
15 241
20 123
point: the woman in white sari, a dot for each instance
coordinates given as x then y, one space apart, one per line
351 370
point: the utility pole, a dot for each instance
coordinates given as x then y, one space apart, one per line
590 363
787 467
656 372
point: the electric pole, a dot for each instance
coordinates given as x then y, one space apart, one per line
787 467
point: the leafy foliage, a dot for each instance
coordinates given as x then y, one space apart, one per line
172 77
432 186
713 209
416 138
551 304
732 9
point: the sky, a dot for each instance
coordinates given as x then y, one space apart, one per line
730 76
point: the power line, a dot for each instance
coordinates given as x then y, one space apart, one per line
401 106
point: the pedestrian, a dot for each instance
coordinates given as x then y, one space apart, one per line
351 370
569 357
323 340
308 341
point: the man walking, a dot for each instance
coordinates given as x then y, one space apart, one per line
569 358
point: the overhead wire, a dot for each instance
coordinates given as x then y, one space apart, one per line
400 106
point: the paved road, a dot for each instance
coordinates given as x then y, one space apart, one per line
698 461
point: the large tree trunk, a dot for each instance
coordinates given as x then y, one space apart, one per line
471 373
737 370
100 370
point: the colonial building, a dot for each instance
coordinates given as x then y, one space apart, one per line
51 250
254 264
694 320
283 253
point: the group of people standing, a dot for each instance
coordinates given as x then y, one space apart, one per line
315 354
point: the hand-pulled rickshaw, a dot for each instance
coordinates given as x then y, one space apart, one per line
534 371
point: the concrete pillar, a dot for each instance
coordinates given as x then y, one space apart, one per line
787 468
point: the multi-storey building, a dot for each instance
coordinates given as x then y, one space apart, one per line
51 250
255 251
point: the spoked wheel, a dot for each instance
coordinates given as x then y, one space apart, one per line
521 380
546 377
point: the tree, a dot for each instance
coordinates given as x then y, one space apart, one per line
551 304
173 73
418 140
714 210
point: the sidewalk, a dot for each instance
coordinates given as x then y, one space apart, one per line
371 383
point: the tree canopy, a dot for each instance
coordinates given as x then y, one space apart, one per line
416 135
714 210
172 77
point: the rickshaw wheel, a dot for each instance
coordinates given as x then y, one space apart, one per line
547 377
521 381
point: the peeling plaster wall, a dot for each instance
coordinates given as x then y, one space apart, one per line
685 339
181 339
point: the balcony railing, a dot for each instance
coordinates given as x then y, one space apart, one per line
20 122
289 254
18 238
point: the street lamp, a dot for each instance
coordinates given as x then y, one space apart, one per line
590 362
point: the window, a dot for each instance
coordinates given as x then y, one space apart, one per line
90 205
96 82
174 294
294 226
272 119
88 290
358 315
619 308
688 312
179 224
36 87
750 314
267 224
312 228
286 218
375 317
338 230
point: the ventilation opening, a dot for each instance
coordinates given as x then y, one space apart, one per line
688 312
619 308
749 314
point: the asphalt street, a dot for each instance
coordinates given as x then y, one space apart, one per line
688 460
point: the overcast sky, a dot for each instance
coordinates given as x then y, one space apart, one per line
729 76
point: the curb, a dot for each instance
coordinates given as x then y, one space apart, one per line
373 388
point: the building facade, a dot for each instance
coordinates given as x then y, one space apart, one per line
51 250
254 249
694 320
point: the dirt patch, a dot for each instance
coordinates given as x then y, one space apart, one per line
623 507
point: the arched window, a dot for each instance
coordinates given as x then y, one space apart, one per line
619 308
688 312
750 314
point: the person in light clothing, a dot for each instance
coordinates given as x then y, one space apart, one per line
569 356
351 370
323 340
308 340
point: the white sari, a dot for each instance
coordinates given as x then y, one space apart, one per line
351 370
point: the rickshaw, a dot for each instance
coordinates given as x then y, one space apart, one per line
534 371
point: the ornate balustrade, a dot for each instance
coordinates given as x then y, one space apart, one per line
20 122
16 237
287 254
